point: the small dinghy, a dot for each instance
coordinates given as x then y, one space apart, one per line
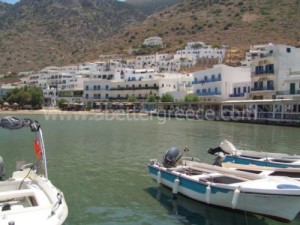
269 159
28 196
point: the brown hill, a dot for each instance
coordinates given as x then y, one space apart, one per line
37 33
59 32
235 23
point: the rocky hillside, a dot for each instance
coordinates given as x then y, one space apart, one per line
151 6
235 23
4 7
37 33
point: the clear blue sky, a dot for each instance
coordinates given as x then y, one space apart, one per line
10 1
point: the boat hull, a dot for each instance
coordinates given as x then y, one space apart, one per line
248 161
33 200
283 207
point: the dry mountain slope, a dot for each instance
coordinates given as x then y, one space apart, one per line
37 33
235 23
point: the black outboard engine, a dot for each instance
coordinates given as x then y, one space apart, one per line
2 176
171 157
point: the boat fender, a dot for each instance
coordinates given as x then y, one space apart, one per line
235 197
175 186
159 177
37 149
207 194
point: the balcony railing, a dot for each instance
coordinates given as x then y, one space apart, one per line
206 81
262 73
262 89
209 94
133 88
289 92
237 95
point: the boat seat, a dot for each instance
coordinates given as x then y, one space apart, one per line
7 195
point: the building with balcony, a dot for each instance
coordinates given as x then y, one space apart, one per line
176 84
96 90
222 82
141 89
274 73
200 51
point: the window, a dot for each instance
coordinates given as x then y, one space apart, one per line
87 96
95 87
288 50
87 87
107 87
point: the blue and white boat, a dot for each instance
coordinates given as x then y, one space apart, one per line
275 197
229 153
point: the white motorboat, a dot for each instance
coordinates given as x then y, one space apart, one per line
275 197
259 158
28 196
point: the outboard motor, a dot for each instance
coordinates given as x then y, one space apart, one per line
2 176
171 157
219 159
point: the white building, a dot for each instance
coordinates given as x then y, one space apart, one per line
153 41
222 82
275 73
199 50
96 90
176 84
151 61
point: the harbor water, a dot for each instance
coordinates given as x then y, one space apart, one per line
100 163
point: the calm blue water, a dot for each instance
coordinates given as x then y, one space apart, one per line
101 165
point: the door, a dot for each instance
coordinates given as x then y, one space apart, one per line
292 88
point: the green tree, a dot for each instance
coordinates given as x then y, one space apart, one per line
37 97
62 102
191 98
151 98
26 96
132 98
167 98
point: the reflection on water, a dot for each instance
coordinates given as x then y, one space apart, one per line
188 211
101 166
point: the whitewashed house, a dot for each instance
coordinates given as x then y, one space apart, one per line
222 82
176 84
153 41
151 61
200 51
275 73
